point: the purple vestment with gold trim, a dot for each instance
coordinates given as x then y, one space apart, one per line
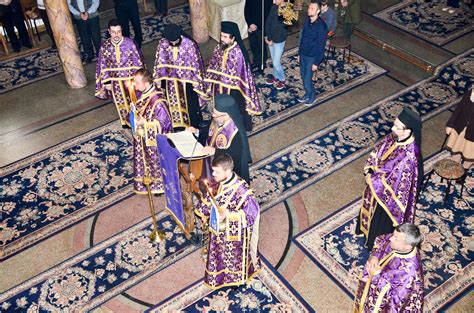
177 66
151 105
392 169
220 137
227 71
227 139
232 254
116 64
399 285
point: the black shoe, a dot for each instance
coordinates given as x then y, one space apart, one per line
28 45
88 60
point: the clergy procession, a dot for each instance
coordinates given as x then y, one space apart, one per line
230 140
173 99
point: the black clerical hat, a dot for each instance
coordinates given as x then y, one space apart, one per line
172 32
233 29
412 120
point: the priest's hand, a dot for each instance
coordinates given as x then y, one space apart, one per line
252 28
139 120
108 87
222 216
192 130
209 150
314 67
448 130
372 266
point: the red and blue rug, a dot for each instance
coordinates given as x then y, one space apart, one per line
447 250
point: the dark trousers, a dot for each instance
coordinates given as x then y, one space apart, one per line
161 6
89 31
256 40
47 25
128 13
348 30
453 3
13 17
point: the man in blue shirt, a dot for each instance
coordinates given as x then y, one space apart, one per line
311 51
328 15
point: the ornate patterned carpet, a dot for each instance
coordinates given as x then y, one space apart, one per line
447 250
102 272
47 183
427 21
268 292
332 80
62 185
45 63
291 169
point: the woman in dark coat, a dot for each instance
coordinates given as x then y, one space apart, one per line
460 129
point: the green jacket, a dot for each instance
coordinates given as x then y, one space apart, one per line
353 13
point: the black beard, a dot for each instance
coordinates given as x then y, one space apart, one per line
223 46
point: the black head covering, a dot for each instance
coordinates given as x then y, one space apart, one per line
412 120
172 32
233 29
226 104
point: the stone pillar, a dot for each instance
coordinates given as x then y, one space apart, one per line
199 20
298 5
65 37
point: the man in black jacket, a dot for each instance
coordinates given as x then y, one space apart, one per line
255 21
127 12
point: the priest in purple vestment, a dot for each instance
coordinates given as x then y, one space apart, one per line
229 72
118 60
179 70
393 173
152 114
232 258
392 280
226 134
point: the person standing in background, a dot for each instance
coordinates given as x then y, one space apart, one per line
255 22
44 16
275 38
86 17
329 17
351 17
460 129
161 7
11 15
127 12
311 50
